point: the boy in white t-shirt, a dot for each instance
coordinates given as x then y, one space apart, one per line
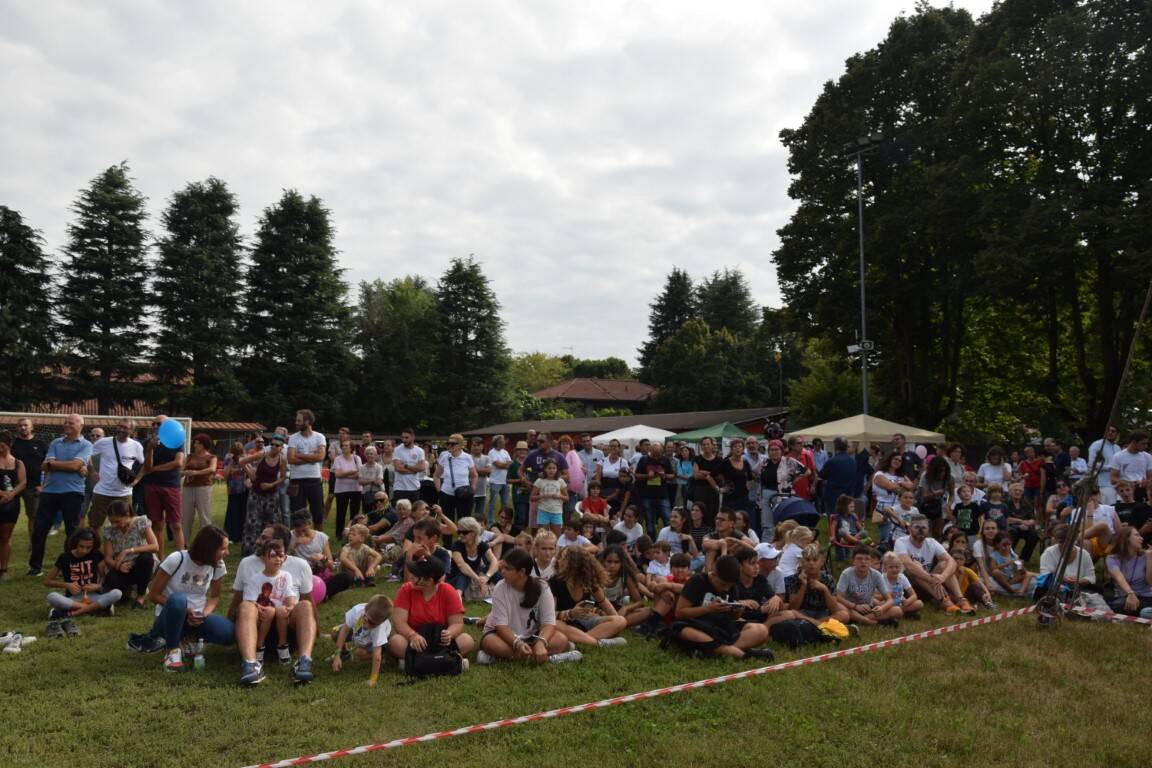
659 568
572 537
367 625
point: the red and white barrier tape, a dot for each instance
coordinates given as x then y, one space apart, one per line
604 703
1108 615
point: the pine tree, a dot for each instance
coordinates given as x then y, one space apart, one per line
470 387
106 271
675 305
725 301
197 293
396 336
296 330
26 332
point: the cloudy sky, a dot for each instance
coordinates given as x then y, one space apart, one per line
579 149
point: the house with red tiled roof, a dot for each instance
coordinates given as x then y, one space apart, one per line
600 393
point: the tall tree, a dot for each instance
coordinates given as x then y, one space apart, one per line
197 295
533 371
106 271
676 305
608 368
26 332
703 369
396 336
471 384
296 330
725 301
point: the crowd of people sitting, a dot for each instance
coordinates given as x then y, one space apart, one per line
571 546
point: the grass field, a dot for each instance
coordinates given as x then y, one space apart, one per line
1003 695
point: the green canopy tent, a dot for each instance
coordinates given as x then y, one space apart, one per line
721 431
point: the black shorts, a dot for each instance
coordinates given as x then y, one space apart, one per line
10 513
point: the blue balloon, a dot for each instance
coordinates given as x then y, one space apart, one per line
171 434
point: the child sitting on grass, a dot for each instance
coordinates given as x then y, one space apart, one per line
798 538
78 571
665 593
903 595
572 536
1007 572
367 626
969 581
811 591
861 590
659 568
275 594
357 559
623 588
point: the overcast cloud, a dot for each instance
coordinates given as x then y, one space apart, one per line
579 149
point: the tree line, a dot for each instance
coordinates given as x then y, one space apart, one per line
1006 219
197 322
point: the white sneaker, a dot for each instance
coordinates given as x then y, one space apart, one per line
54 530
482 657
14 643
571 646
174 661
610 642
6 638
564 658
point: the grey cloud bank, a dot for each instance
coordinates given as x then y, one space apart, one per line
580 150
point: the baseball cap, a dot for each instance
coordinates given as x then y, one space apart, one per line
522 444
765 551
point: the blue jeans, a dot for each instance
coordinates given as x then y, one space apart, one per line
496 493
285 510
172 625
656 506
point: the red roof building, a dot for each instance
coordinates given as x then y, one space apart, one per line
624 393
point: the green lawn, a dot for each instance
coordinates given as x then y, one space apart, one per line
1005 695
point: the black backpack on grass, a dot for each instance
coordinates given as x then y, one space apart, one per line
797 632
436 659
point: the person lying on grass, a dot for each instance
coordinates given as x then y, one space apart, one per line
186 591
930 568
367 628
301 619
584 613
522 624
79 572
708 616
862 591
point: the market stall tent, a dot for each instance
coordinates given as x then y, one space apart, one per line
867 429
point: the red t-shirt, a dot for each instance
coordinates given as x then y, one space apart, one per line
594 505
1031 471
802 487
443 604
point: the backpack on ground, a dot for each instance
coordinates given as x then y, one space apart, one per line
436 660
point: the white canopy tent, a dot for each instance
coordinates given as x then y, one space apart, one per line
867 429
630 436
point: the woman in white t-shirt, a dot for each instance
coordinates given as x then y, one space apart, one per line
994 470
455 469
186 591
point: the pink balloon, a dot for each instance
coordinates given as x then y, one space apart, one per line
921 451
319 590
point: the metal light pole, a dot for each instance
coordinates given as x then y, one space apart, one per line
780 373
863 144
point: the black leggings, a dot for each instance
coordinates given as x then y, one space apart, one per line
138 577
344 499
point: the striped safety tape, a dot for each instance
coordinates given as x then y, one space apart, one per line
652 694
1108 615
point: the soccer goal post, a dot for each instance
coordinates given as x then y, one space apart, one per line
51 425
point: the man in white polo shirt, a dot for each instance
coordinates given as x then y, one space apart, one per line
306 449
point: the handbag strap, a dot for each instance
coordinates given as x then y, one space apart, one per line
451 472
